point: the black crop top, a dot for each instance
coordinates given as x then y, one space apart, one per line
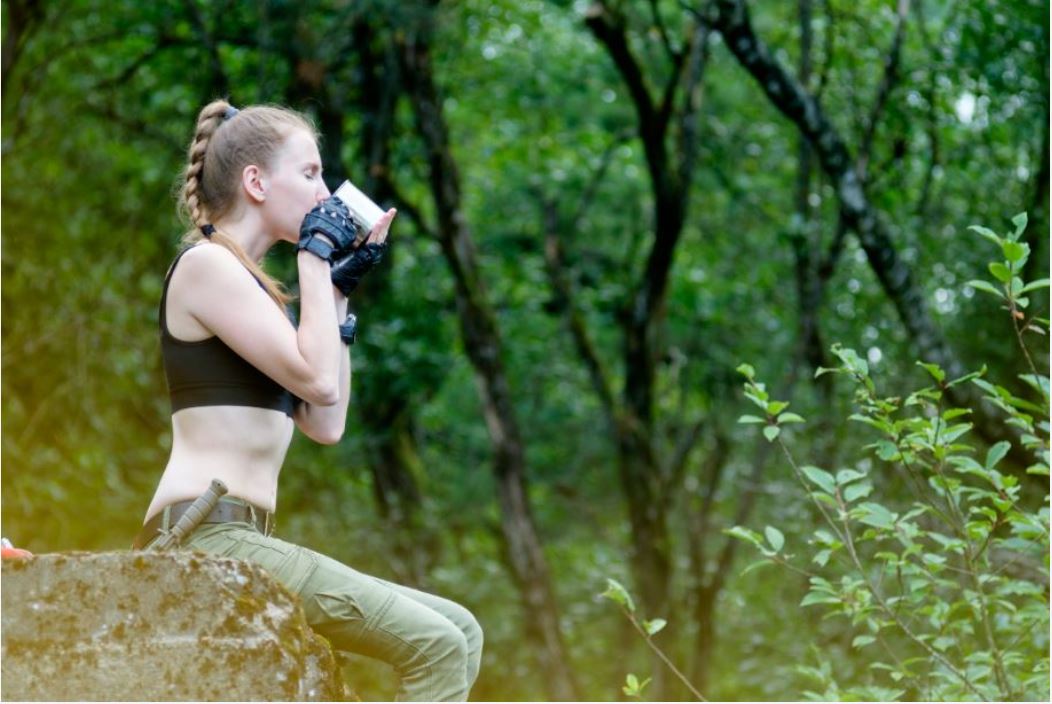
208 373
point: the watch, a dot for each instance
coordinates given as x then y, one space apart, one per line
349 329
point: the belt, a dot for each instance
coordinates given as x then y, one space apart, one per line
224 512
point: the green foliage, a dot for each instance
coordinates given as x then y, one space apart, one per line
949 590
98 109
617 593
633 687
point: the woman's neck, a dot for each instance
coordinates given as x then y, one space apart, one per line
248 233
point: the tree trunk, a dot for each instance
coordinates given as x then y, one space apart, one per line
483 345
394 458
638 464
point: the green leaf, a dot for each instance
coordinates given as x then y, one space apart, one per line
822 557
616 592
886 450
776 407
1019 220
937 373
751 419
980 285
1015 251
1034 285
862 641
774 537
820 478
789 418
652 627
819 598
824 498
633 687
857 491
742 533
943 642
1038 383
954 432
996 453
1000 272
986 232
771 432
846 476
746 370
874 515
755 566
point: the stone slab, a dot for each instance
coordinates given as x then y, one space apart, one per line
142 626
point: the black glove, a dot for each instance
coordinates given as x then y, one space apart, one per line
348 271
329 220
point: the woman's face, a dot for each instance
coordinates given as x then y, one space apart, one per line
295 185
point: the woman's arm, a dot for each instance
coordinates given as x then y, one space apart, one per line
222 295
325 424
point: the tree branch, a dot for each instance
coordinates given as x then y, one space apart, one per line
406 206
592 188
655 14
887 83
688 122
220 81
676 464
610 32
553 256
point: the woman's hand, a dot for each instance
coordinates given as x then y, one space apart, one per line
348 271
378 235
328 231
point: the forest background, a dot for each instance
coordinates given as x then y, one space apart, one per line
605 208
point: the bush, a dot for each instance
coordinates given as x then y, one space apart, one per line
949 592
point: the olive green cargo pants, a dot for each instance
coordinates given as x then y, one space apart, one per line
434 644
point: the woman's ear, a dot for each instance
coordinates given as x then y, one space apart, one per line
254 181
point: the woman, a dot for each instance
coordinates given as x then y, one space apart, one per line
241 376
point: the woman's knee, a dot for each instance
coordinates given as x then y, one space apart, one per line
467 623
447 647
472 632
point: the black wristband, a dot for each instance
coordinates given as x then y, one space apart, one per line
349 329
317 246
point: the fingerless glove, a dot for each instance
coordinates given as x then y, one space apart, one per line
329 220
348 271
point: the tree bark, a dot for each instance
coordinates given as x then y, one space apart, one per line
484 348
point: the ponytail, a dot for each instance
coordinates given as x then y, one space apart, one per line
225 141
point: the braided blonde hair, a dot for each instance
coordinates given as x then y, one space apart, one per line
224 143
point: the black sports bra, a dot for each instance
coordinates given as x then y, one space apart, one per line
208 373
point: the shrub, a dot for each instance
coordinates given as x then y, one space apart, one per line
949 592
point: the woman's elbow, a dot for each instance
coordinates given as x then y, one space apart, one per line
329 435
322 394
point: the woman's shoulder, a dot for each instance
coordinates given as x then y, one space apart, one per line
203 262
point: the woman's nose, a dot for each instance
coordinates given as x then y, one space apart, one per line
324 192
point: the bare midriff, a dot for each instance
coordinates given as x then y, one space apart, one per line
242 446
